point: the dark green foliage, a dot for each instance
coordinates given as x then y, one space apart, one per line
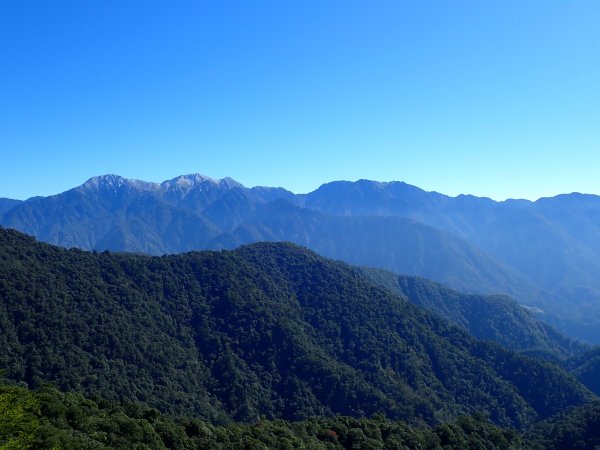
77 319
587 369
488 317
575 429
268 330
49 419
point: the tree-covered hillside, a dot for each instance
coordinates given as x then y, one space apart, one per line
586 368
269 330
49 419
491 317
397 244
552 242
578 428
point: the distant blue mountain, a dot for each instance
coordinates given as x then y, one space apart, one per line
7 204
546 253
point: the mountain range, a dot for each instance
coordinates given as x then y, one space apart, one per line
488 317
268 330
545 254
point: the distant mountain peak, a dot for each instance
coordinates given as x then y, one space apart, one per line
185 183
181 184
111 181
377 183
108 179
363 182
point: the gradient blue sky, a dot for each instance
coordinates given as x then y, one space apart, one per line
492 98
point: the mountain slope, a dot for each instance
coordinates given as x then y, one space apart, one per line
194 212
397 244
6 204
491 317
577 428
457 215
111 212
552 242
269 329
50 419
586 368
543 254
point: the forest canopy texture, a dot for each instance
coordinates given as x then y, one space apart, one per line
268 330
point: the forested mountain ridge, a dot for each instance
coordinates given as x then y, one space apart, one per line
543 253
586 367
398 244
492 317
577 428
552 242
49 419
268 330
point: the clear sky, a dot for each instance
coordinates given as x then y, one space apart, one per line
492 98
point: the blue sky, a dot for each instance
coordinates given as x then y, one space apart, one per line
498 99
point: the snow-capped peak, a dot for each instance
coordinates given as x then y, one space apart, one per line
179 186
185 183
115 182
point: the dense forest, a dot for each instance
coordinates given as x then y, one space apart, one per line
490 317
578 428
269 330
586 368
49 419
